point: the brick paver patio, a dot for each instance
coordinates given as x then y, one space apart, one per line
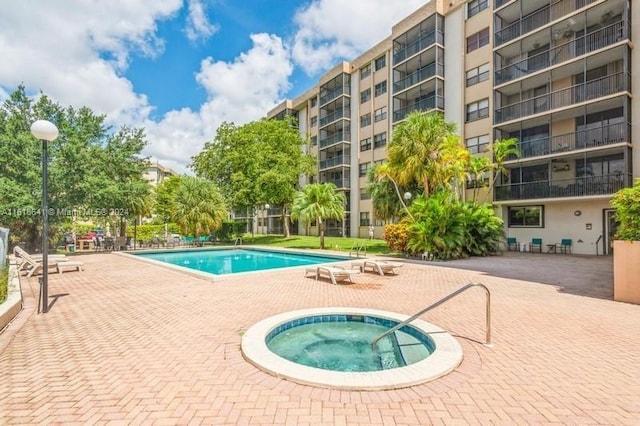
126 342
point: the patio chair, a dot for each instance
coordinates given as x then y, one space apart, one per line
565 245
335 273
535 245
57 262
381 266
21 254
512 244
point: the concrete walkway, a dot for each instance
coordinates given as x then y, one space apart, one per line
126 342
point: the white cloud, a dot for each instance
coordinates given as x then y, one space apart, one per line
240 91
60 48
198 25
331 30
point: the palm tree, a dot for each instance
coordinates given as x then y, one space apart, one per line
318 201
503 150
199 207
417 149
478 167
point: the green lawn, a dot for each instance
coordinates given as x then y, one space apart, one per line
331 243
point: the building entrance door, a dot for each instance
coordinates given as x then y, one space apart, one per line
610 229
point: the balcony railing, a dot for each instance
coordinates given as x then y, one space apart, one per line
499 3
425 104
590 138
340 160
331 95
418 45
340 183
419 75
339 113
338 137
579 46
582 92
562 188
537 19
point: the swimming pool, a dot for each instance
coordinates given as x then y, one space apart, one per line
232 261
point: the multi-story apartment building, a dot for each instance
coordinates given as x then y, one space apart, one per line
554 74
156 173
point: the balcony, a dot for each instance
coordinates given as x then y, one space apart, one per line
419 75
332 94
562 188
338 137
418 45
343 183
591 90
425 104
577 47
340 160
339 113
537 19
591 138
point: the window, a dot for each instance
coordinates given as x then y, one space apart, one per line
476 75
380 139
477 40
381 88
365 144
314 120
380 63
526 217
365 95
314 140
478 110
364 194
477 144
365 120
365 71
476 6
364 168
381 114
314 101
365 220
378 162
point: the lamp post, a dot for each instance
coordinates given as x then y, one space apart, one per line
265 218
46 132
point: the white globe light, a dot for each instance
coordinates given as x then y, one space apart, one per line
407 195
267 206
45 130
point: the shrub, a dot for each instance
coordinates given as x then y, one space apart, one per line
147 231
448 228
627 205
4 282
396 236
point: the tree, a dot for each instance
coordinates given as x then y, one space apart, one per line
199 207
318 201
165 196
503 150
425 149
255 164
91 167
478 168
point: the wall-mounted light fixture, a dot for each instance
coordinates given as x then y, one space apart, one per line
559 168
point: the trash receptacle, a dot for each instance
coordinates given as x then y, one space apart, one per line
71 248
523 247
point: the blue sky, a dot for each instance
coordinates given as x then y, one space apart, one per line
179 68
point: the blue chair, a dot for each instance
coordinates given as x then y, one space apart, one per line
565 246
535 245
512 244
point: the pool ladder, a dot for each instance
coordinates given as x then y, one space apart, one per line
238 242
440 302
359 247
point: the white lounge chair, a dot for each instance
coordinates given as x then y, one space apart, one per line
52 262
20 254
335 273
381 266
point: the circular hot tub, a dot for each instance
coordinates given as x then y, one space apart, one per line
332 347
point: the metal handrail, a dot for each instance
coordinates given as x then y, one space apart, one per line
440 302
237 242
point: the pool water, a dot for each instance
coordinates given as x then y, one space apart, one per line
343 343
231 261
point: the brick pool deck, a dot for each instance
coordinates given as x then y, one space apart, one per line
126 342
